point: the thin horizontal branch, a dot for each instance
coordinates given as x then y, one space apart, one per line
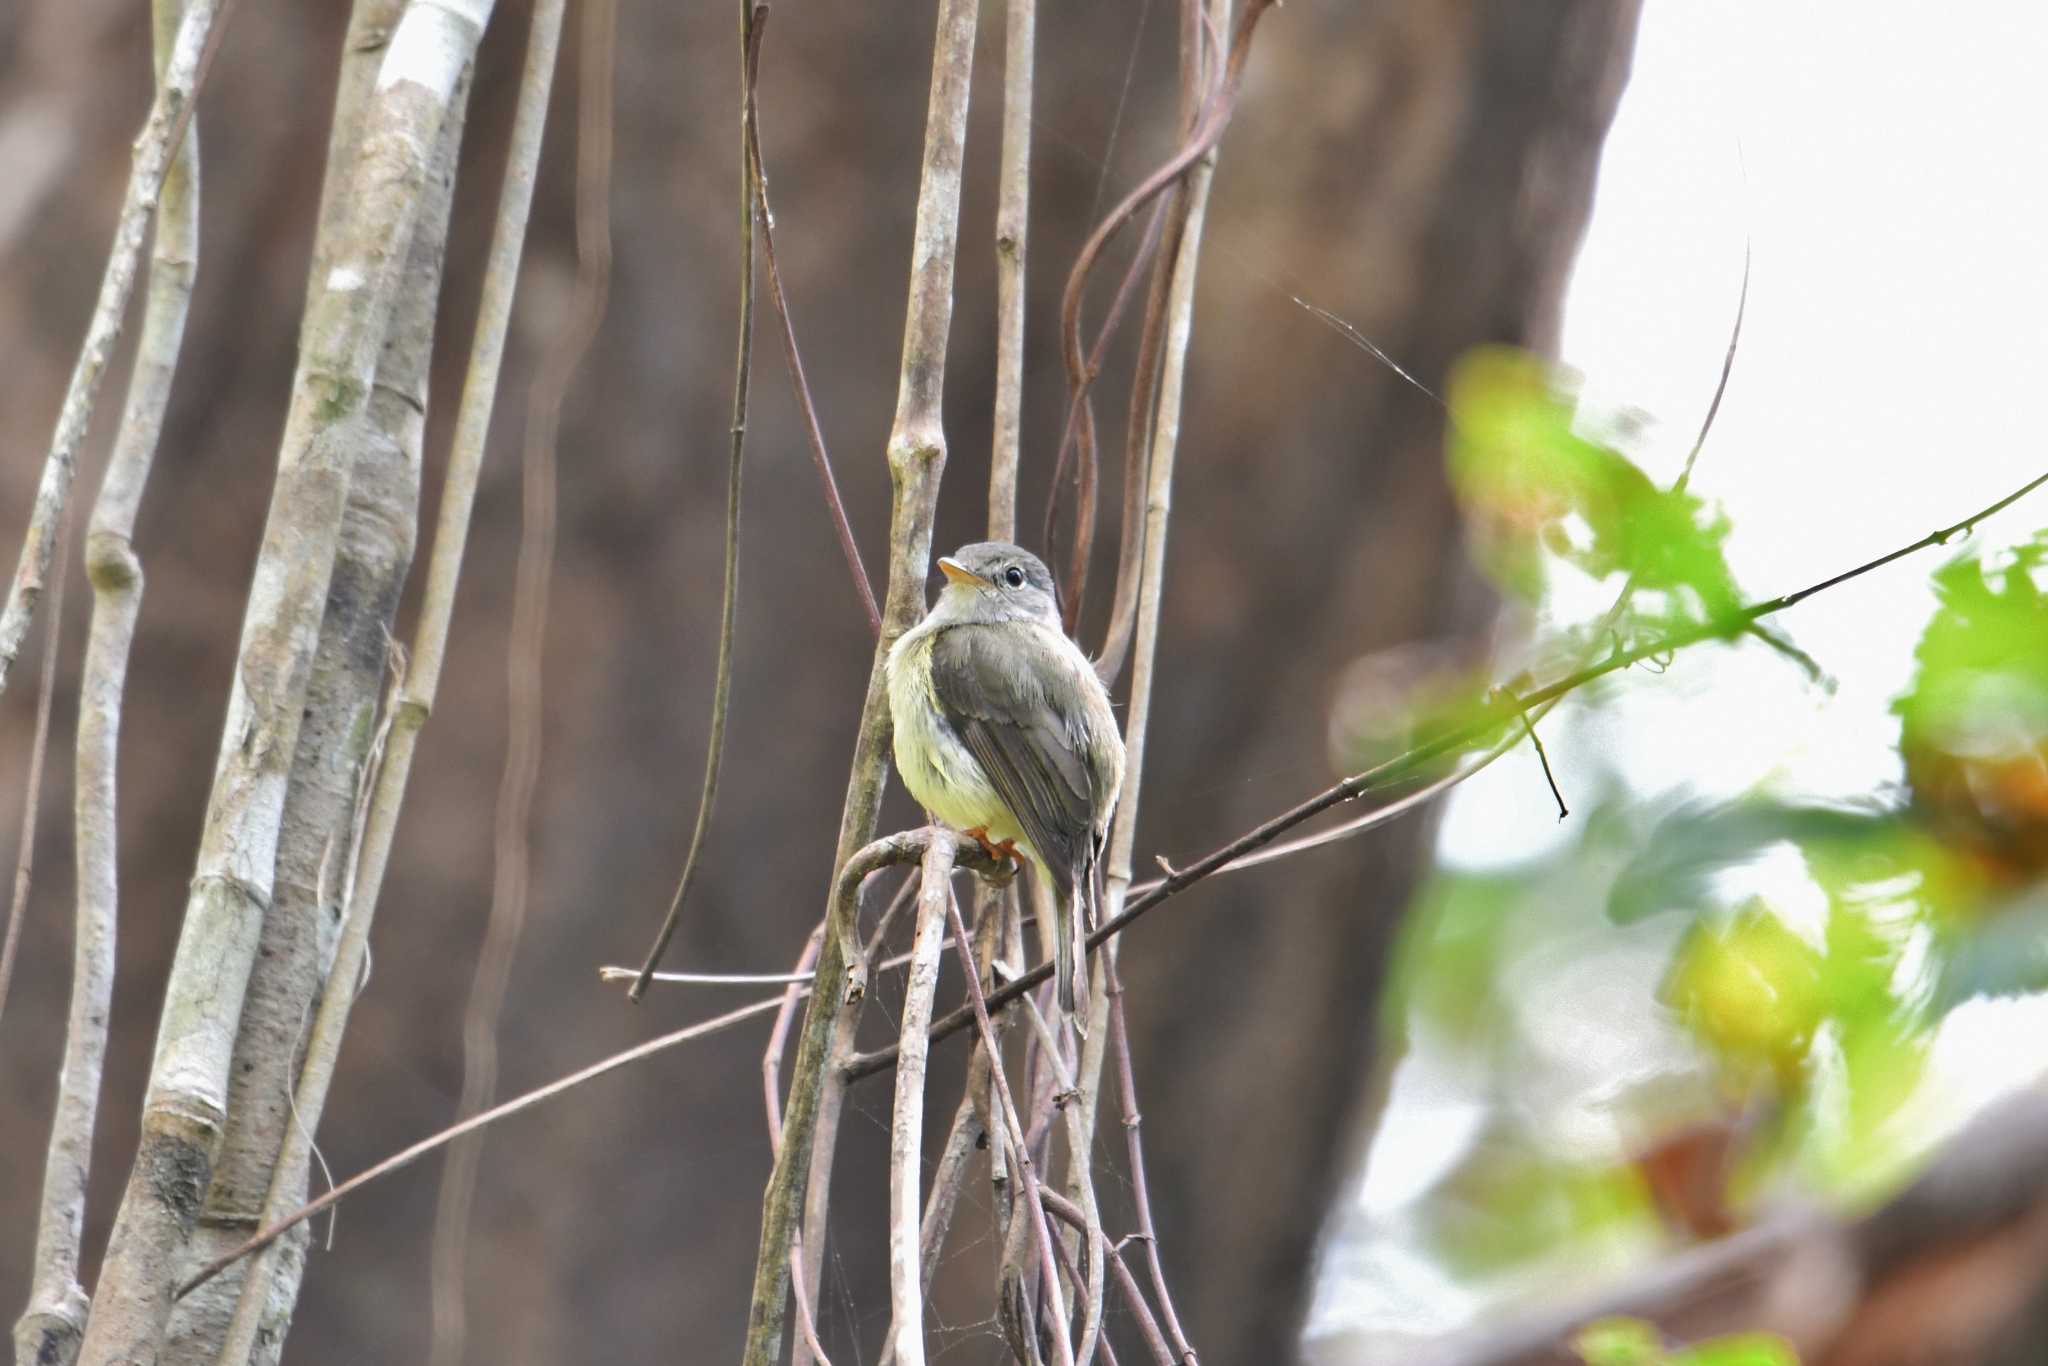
433 1143
1502 712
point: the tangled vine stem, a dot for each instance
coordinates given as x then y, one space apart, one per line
728 612
1207 132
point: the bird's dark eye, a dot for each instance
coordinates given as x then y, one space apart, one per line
1014 577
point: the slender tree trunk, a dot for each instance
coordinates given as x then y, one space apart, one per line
316 842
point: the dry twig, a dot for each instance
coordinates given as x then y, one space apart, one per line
743 369
178 77
906 1120
54 1322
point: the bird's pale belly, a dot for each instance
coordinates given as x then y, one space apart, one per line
939 771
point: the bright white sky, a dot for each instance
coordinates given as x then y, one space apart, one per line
1884 163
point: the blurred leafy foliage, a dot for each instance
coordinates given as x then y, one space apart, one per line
1541 478
1808 995
1632 1342
1974 724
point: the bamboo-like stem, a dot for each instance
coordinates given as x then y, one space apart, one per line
264 1159
743 370
1013 217
415 699
906 1119
525 668
169 117
917 459
51 1327
348 316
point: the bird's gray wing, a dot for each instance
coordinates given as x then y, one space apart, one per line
992 689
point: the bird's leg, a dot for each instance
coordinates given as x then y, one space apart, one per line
1004 854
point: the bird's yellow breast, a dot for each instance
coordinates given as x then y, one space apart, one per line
937 768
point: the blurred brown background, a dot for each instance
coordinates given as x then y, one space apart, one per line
1423 171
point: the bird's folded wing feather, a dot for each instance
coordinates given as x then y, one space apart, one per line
1033 749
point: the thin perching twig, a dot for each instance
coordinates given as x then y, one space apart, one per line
32 784
906 1118
525 660
186 1101
1127 1090
1013 215
433 1143
54 1321
177 80
917 458
743 368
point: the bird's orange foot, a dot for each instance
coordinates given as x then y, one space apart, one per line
1004 854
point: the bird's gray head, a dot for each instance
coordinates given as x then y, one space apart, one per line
996 581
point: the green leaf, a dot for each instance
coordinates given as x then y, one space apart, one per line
1740 1349
1982 677
1681 856
1619 1342
1539 480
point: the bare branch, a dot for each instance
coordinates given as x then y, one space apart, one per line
906 1120
54 1322
1013 216
1134 1299
32 783
332 766
178 77
1208 130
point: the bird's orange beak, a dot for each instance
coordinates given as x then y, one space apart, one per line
960 573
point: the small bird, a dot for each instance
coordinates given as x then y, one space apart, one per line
1004 732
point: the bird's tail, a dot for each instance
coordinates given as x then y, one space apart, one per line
1071 965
